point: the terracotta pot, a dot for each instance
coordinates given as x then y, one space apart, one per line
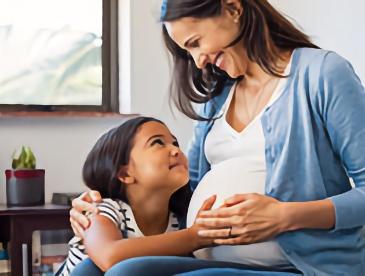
24 187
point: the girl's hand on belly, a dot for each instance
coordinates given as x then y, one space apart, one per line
253 218
201 241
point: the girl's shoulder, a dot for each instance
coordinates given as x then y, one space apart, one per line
114 209
112 203
122 215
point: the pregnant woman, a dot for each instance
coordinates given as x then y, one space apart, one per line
237 156
280 132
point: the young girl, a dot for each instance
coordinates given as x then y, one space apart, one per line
141 173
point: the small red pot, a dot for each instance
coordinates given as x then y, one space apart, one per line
25 187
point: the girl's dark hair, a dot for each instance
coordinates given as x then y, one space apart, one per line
265 34
111 152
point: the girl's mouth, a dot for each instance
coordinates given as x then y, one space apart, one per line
172 166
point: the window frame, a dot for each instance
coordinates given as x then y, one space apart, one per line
110 72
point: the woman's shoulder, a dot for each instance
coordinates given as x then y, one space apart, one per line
325 76
306 53
315 66
319 64
315 59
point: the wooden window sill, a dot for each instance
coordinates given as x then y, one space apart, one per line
82 114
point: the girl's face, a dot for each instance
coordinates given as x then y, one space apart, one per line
156 161
206 41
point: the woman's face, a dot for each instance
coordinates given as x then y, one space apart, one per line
156 161
206 41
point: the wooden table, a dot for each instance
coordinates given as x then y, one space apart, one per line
17 225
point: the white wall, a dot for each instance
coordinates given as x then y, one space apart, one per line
60 145
150 70
332 24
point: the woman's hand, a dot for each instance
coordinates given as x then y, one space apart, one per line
80 205
201 241
250 218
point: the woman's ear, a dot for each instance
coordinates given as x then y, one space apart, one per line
125 176
233 8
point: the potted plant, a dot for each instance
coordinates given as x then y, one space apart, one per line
24 183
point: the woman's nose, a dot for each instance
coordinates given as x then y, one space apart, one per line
199 59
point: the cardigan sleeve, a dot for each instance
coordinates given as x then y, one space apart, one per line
344 117
195 151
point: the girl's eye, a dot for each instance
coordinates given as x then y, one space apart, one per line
176 144
158 142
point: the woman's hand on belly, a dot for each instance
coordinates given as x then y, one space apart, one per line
253 218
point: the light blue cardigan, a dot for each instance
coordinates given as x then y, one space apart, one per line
314 139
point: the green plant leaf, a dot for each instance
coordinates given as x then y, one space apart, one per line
25 160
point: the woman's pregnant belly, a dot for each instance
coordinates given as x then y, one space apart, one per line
225 180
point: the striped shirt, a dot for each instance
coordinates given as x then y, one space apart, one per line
120 213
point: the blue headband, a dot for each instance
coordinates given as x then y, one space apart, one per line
163 9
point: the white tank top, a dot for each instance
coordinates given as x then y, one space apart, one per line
237 166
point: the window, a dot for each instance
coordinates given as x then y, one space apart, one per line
59 55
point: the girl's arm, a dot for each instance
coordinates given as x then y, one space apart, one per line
105 245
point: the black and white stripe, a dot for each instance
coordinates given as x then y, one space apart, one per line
120 213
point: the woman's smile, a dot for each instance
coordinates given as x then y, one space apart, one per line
219 60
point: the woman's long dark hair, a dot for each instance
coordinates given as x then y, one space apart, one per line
110 153
265 34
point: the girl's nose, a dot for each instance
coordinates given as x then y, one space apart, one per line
175 151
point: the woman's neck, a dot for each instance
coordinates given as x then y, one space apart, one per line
151 211
256 76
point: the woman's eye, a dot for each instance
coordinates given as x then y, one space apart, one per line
176 144
194 44
158 142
